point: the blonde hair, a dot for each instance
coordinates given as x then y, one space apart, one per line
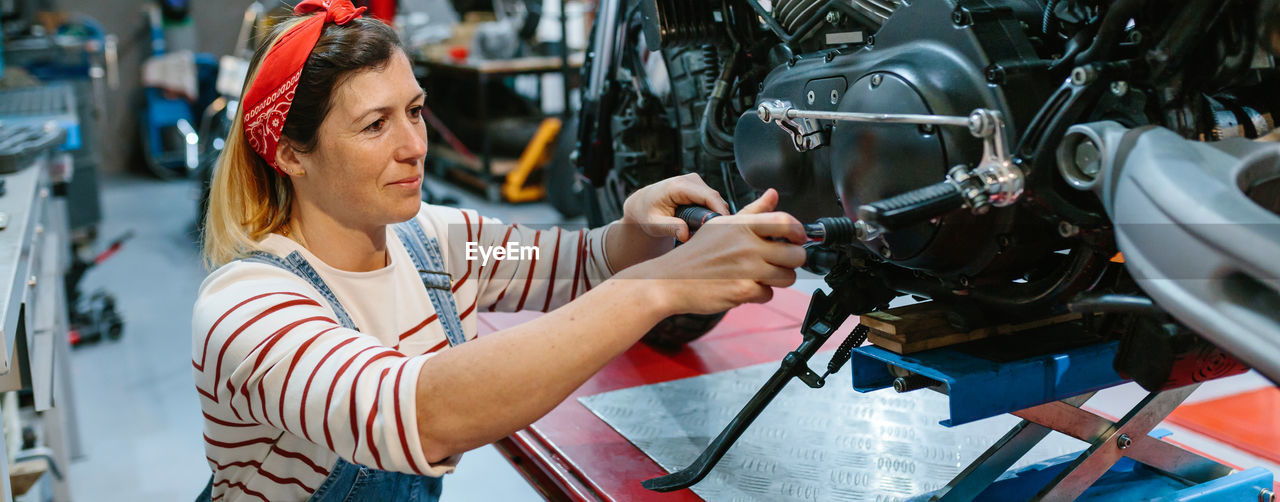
249 199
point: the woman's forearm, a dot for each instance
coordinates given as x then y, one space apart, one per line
490 387
627 244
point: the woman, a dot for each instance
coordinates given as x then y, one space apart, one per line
320 340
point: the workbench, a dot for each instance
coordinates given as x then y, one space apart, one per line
33 321
570 454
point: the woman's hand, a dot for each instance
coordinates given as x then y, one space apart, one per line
653 208
732 260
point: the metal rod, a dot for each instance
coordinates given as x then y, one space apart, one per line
1077 477
914 381
984 470
892 118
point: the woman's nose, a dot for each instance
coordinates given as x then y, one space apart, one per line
412 142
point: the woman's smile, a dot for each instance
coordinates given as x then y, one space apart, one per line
412 182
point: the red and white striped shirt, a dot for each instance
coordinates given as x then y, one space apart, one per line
285 390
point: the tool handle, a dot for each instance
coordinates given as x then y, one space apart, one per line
915 206
695 216
825 231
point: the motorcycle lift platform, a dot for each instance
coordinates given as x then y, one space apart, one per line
1125 459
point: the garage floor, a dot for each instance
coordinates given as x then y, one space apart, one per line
140 417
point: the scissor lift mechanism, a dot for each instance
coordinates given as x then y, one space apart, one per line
1062 381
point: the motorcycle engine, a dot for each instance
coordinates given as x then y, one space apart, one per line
927 58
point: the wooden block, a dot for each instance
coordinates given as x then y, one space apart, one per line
907 319
23 475
900 346
923 326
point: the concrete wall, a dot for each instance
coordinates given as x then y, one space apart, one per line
216 23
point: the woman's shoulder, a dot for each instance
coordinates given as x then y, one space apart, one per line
430 214
441 221
243 279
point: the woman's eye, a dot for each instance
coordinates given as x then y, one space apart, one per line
376 125
415 112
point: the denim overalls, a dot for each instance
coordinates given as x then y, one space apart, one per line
353 482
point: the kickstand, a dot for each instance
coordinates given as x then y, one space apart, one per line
825 315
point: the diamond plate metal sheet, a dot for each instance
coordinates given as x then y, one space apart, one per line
829 444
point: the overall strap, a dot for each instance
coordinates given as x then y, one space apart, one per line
298 265
425 252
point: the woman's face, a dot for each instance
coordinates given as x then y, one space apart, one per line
366 169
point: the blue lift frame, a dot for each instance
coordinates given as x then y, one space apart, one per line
980 388
1124 460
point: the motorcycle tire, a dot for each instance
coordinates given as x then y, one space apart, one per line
563 191
692 73
670 333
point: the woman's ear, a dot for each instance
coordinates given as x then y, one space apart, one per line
288 159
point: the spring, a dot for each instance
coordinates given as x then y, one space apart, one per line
682 22
856 338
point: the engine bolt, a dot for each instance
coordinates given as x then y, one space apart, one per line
835 96
1124 441
1135 36
926 129
1266 496
1088 160
833 17
911 382
981 123
994 74
959 17
1067 230
1082 75
876 80
1119 88
811 97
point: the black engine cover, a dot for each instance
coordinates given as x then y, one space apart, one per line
929 57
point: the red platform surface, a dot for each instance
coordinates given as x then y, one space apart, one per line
570 454
1249 421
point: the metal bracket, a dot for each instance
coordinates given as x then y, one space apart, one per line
806 134
999 457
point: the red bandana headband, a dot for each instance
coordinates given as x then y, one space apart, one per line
268 99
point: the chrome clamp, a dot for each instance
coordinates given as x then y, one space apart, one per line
806 133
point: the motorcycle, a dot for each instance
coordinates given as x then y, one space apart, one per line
1007 160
